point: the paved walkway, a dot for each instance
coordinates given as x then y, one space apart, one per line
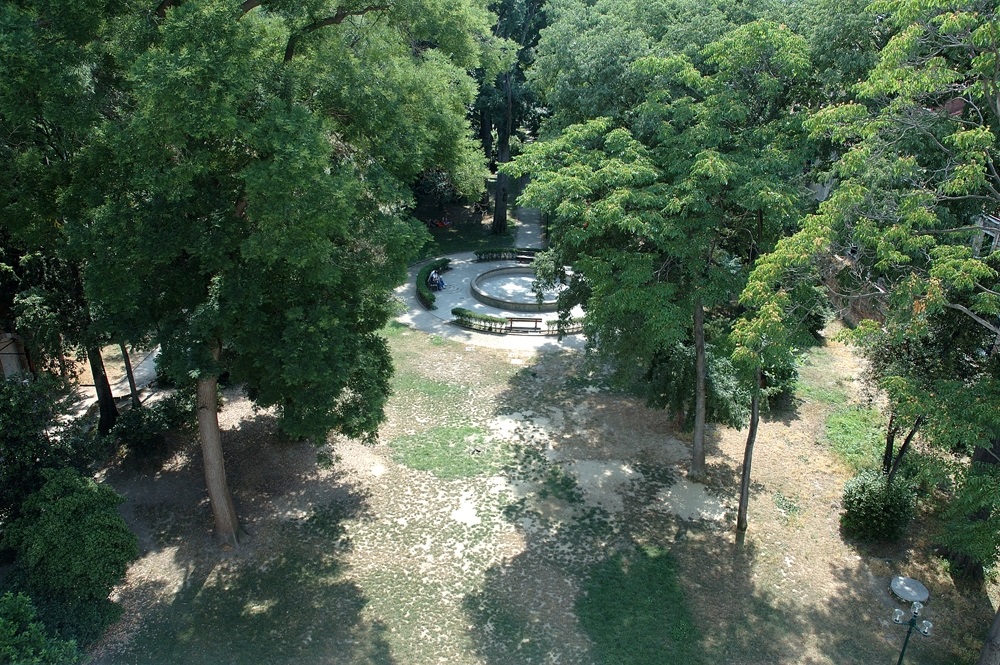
457 293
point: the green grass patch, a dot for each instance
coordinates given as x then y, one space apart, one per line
413 383
514 635
855 435
455 451
826 394
788 506
394 329
816 383
634 611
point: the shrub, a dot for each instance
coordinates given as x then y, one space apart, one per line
143 428
469 319
24 639
71 542
32 438
873 511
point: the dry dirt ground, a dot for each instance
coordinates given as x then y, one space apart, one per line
386 554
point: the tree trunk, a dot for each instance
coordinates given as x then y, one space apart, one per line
227 526
990 655
902 450
989 455
105 400
741 515
503 156
890 444
63 370
697 471
486 137
131 377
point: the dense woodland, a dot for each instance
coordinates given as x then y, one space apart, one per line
235 183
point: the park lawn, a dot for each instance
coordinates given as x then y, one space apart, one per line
513 512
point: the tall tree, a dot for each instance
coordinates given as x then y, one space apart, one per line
52 92
659 220
505 100
908 226
256 188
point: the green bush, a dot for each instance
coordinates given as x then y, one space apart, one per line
873 511
424 293
24 639
71 542
33 437
476 321
143 429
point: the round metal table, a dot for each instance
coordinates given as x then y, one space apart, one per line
909 589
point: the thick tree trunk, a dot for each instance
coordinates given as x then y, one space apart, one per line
697 471
990 655
105 400
503 156
131 377
741 514
227 526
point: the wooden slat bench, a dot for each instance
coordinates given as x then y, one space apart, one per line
523 325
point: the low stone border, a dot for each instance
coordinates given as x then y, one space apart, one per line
500 303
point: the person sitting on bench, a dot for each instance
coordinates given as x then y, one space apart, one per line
435 281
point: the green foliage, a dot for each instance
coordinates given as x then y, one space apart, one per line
25 641
71 543
633 610
424 293
875 511
660 205
487 322
34 437
857 436
667 385
211 181
973 517
142 429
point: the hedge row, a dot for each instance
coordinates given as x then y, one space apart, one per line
504 253
424 293
469 319
499 324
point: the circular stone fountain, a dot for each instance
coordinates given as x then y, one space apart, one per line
510 289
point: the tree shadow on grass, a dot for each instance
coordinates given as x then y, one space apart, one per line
280 597
853 623
294 609
624 582
960 610
740 620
